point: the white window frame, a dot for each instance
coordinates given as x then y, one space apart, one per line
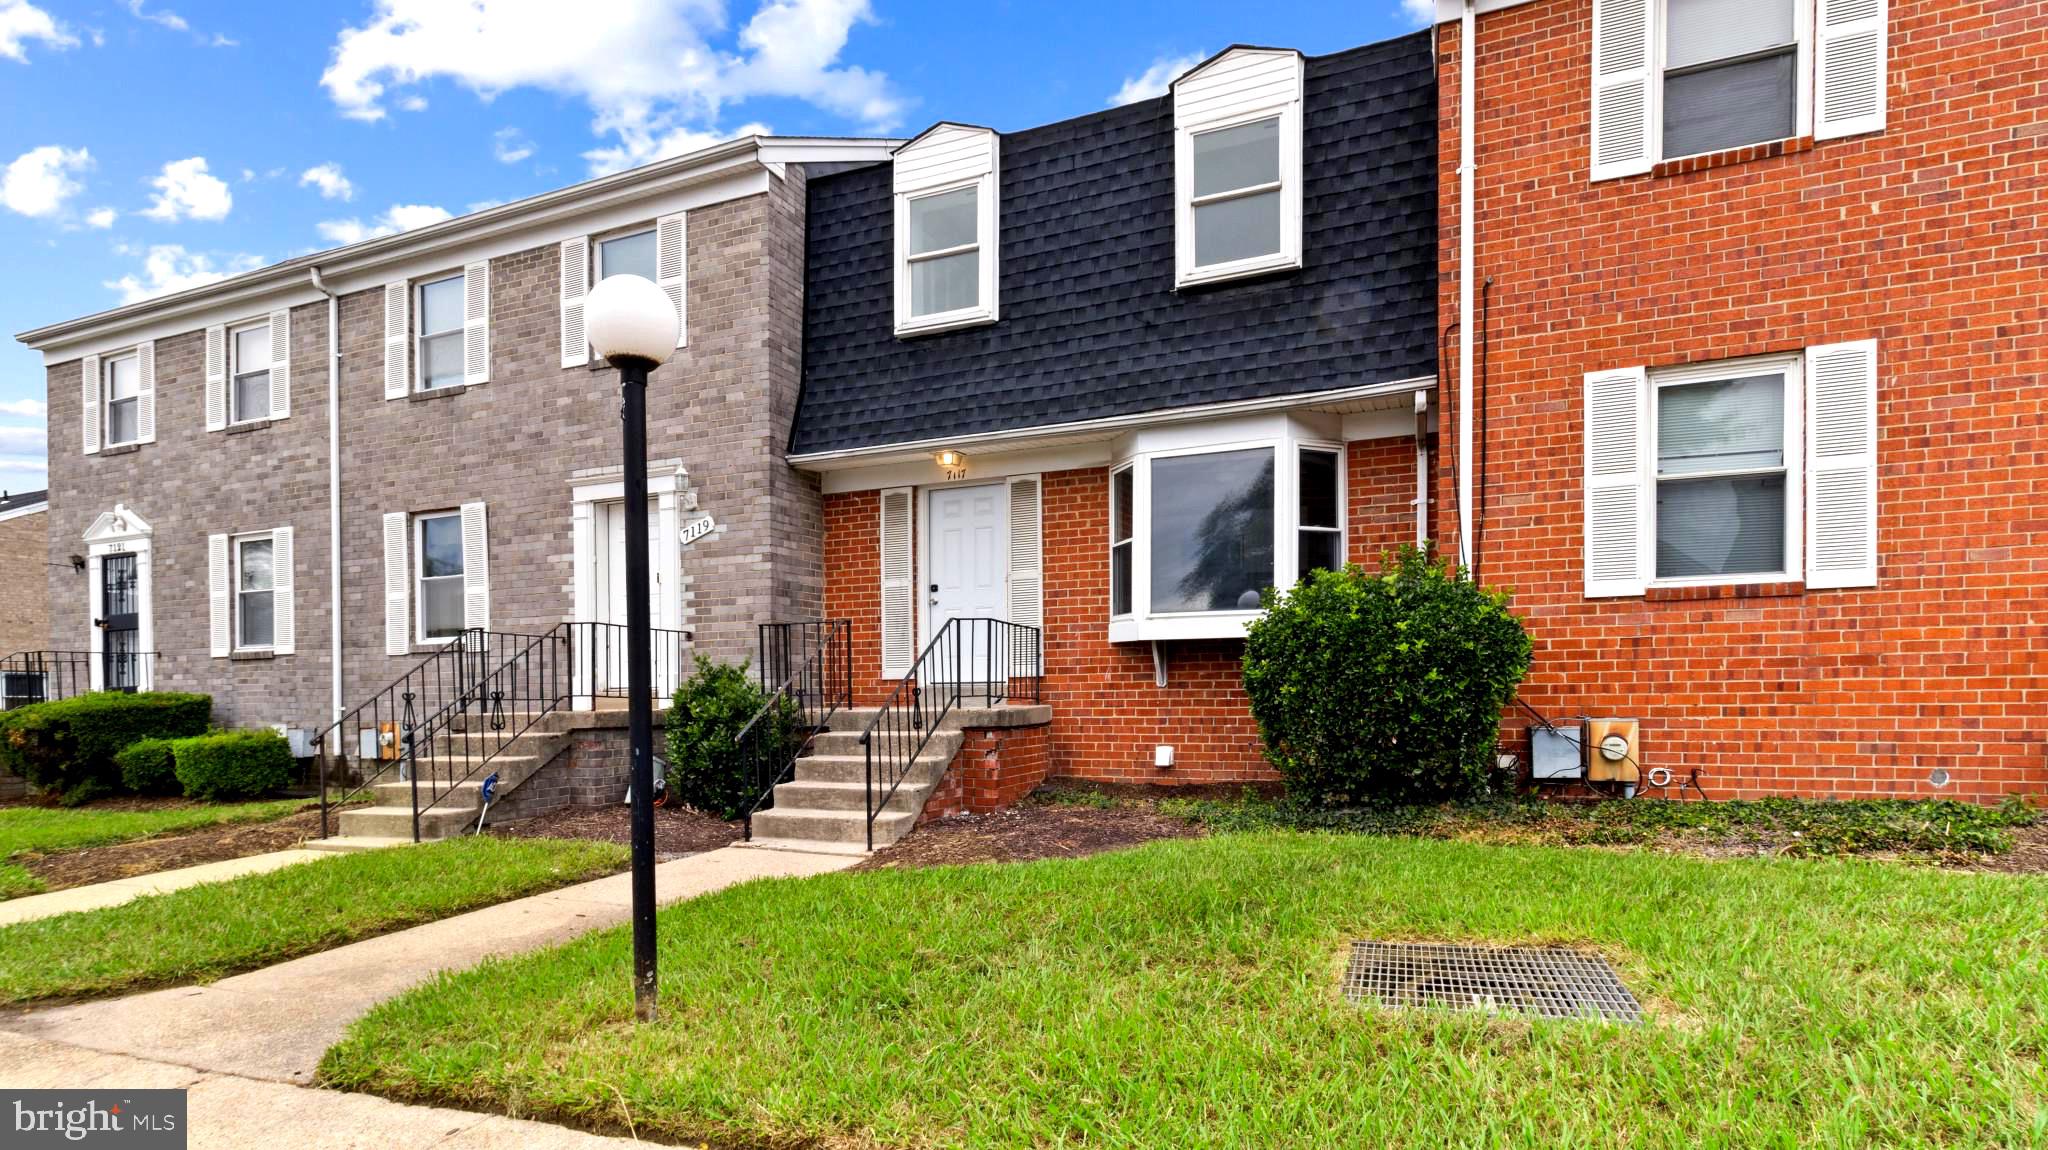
984 308
1210 112
421 334
235 416
419 575
1129 544
1802 82
1340 458
1287 439
235 543
1791 369
107 400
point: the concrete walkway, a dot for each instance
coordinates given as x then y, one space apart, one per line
121 890
251 1042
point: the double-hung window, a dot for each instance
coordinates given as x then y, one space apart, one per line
631 254
438 544
1319 529
249 394
1236 204
946 224
1724 490
255 593
440 338
944 253
1731 74
122 376
1237 166
1122 544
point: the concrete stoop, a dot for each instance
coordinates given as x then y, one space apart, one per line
824 809
389 817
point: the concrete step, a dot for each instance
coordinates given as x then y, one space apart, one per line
440 822
804 846
816 826
819 796
854 768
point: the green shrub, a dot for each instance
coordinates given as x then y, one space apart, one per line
1386 687
147 767
69 745
707 769
232 764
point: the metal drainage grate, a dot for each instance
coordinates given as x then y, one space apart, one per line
1547 983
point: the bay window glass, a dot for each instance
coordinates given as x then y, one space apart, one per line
1212 531
440 575
124 399
1122 531
1721 477
1319 530
1236 205
441 333
944 252
1730 74
255 593
251 392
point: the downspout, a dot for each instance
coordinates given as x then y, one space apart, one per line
333 487
1467 76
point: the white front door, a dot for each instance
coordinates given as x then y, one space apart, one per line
610 555
967 576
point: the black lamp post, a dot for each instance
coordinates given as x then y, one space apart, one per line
633 326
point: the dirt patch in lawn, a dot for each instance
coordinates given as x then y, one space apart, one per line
1057 822
678 831
211 844
2029 853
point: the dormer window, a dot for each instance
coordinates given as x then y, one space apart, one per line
1237 169
946 252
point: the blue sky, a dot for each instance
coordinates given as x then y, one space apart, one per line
148 147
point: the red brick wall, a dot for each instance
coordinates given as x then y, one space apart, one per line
993 769
1107 712
1928 238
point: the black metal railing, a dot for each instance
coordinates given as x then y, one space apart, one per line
807 668
367 744
45 676
455 746
598 653
992 659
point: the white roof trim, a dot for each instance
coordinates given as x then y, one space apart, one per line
450 236
1017 439
1449 10
24 511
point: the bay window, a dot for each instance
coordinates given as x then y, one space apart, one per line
1212 531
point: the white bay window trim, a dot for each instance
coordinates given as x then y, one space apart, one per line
949 158
1239 87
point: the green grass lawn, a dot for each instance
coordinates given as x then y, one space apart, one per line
206 932
1184 994
42 830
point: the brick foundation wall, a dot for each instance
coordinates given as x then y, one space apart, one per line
593 770
25 607
1926 237
1108 714
993 769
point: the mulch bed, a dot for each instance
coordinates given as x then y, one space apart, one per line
1041 827
148 856
2029 853
678 831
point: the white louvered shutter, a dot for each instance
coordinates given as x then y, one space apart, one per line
280 363
1841 461
476 323
671 268
216 378
1849 68
575 285
1624 91
219 596
89 403
145 392
283 615
1618 483
1027 583
397 333
476 571
899 636
397 635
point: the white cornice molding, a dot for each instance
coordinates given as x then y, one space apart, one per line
1449 10
24 511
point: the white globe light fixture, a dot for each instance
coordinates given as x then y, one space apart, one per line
633 326
630 318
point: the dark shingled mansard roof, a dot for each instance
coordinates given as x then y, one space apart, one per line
1091 326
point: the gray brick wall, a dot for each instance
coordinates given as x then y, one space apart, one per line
24 603
722 406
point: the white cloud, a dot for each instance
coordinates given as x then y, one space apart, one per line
328 178
646 68
413 104
39 180
22 438
510 145
101 218
163 16
398 218
168 268
639 146
34 467
21 22
1420 11
25 408
185 190
1151 83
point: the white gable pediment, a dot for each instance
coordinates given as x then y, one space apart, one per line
117 526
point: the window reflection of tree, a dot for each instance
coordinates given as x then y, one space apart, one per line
1235 560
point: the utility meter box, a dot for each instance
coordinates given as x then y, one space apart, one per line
1555 754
